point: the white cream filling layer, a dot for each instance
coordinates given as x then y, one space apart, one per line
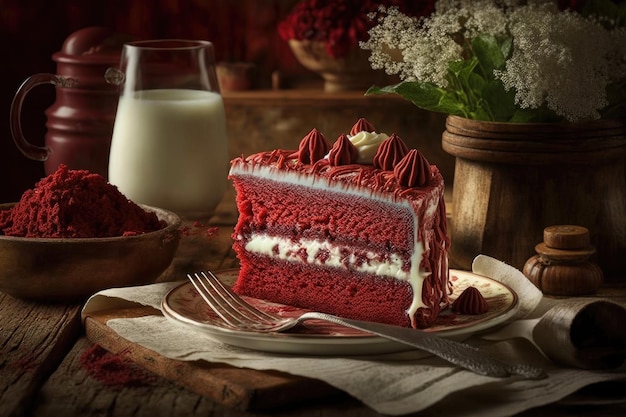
334 256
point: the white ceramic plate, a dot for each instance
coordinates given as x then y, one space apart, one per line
183 305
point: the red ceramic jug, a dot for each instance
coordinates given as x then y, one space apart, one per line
80 122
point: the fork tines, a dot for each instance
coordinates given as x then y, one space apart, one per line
235 312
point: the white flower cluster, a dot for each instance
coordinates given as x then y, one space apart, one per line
559 59
420 49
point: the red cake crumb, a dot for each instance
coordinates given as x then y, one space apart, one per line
114 370
200 229
76 204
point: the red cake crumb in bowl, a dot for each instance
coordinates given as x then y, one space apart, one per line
74 234
76 204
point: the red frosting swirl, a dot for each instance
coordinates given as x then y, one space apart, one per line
471 301
362 125
389 153
313 147
413 170
343 152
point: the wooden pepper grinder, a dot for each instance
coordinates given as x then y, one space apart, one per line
562 266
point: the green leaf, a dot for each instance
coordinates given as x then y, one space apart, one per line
491 53
500 102
469 84
426 96
476 83
462 69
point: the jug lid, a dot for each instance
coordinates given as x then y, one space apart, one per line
92 45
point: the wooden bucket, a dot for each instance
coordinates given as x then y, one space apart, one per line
513 180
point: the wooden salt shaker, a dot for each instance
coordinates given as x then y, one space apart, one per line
562 266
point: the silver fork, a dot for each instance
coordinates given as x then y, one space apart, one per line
240 315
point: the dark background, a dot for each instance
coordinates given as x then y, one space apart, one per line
31 31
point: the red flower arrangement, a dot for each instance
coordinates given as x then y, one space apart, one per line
341 24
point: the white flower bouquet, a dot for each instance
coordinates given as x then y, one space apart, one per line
506 60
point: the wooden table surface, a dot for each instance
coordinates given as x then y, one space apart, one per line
43 371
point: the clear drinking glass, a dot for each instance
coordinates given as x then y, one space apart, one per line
169 147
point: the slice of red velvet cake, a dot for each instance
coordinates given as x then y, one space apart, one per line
357 230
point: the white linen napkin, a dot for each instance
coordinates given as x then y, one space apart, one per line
409 382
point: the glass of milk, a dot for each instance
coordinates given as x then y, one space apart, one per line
169 147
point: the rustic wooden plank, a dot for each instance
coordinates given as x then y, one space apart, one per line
73 391
244 389
34 338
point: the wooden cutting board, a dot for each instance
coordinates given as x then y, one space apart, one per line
241 388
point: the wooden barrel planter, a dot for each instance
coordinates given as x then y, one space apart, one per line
513 180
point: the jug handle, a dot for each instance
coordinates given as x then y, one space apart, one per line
38 153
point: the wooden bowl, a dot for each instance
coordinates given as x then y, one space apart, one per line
70 270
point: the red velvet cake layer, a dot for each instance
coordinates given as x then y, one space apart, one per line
339 218
361 297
